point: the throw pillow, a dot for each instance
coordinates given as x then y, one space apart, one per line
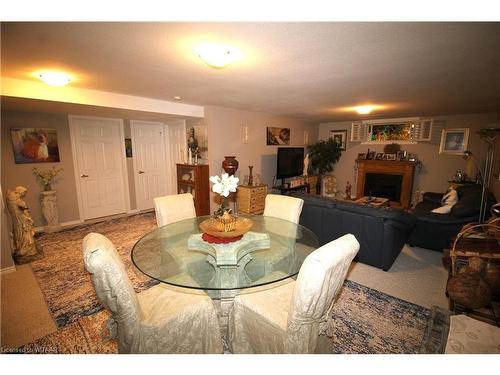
448 201
450 197
443 209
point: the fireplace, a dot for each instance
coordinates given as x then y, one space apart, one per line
392 179
383 185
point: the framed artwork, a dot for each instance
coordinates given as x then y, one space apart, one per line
379 156
277 136
454 141
339 136
35 145
390 156
361 156
128 147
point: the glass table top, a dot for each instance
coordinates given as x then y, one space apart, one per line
273 250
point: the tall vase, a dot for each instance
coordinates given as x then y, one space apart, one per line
250 176
230 165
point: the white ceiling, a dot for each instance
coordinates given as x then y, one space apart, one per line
304 70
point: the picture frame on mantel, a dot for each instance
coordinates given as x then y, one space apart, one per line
339 136
454 141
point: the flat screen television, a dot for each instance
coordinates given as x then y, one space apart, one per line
290 162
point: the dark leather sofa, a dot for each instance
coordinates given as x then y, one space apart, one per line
381 232
435 231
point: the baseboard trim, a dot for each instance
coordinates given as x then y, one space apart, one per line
5 270
62 225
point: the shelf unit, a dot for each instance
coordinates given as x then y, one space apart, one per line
194 179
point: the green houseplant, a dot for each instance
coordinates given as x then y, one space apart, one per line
323 155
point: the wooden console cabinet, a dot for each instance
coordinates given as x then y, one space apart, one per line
251 199
403 168
194 179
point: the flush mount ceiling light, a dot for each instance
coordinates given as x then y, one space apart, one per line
217 55
53 78
365 109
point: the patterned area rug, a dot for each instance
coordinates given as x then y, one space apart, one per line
363 320
62 277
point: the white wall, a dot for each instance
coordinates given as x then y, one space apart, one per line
437 168
225 137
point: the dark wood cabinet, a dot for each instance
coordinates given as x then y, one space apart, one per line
194 179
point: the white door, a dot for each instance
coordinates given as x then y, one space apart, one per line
176 147
149 162
100 170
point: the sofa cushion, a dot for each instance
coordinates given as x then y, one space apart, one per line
469 205
467 189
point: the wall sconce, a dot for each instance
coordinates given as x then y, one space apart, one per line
245 134
306 137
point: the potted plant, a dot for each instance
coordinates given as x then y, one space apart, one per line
323 155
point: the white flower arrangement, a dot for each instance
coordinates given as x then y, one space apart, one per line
45 178
223 186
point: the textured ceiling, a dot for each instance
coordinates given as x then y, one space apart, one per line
305 70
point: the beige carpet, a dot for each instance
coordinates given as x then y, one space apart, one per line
24 313
416 276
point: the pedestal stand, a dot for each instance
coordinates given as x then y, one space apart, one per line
48 202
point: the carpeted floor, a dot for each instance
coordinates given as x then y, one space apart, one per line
363 320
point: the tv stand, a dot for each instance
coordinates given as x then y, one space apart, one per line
284 190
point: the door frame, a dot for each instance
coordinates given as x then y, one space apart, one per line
123 162
161 125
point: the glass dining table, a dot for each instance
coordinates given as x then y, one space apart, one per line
177 254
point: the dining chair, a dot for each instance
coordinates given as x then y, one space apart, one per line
283 207
157 320
289 318
172 208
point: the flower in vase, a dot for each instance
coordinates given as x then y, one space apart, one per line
223 186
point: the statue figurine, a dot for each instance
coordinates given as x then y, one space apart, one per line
25 248
348 187
306 165
192 142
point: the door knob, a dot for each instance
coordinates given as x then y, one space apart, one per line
141 172
84 175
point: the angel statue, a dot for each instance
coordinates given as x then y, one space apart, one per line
25 248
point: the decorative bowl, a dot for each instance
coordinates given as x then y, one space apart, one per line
239 226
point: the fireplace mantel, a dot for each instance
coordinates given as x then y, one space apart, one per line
404 168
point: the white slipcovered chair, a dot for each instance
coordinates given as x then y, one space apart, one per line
158 320
283 207
288 318
172 208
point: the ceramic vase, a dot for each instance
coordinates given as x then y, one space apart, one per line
230 165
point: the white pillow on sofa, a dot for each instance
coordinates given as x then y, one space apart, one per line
448 201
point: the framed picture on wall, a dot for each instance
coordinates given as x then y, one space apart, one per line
339 136
35 145
454 141
277 136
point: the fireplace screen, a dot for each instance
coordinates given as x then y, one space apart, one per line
383 185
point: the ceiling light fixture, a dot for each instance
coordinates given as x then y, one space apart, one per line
53 78
217 55
365 109
177 98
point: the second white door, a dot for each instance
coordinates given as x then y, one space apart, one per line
148 144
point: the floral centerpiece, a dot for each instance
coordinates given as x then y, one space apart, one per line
45 178
223 186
